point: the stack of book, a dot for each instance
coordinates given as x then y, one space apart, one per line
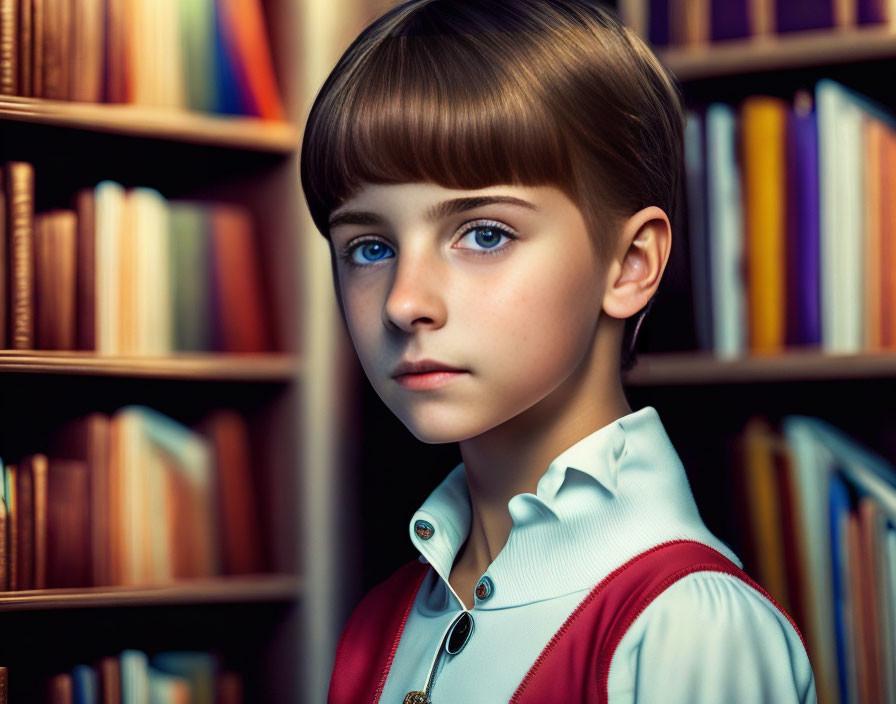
697 23
790 216
124 271
819 513
205 55
133 498
133 677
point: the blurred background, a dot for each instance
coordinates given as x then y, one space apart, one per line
197 482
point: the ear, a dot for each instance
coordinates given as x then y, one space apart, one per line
635 271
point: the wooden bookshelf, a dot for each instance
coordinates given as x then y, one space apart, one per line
231 132
772 53
226 590
280 628
702 368
199 366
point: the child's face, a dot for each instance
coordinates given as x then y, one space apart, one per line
509 293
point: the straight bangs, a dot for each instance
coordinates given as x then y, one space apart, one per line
437 108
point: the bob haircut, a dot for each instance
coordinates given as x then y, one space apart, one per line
473 93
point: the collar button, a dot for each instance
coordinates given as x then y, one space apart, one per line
424 529
485 588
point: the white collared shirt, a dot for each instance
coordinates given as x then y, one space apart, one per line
706 639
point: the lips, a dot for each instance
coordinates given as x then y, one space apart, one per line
423 366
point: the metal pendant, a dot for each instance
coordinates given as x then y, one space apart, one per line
415 698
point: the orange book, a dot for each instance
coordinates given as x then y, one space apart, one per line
689 23
238 520
39 469
873 137
888 240
119 60
84 442
128 309
87 37
60 689
114 537
55 241
56 49
85 206
791 531
4 685
68 524
765 510
871 524
246 40
109 677
763 129
241 324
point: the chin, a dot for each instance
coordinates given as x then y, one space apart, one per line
437 429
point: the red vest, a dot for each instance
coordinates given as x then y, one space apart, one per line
578 655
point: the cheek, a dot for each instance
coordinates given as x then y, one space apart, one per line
536 328
363 319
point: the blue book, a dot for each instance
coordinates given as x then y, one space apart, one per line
839 515
85 685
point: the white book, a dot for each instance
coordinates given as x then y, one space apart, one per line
110 198
726 236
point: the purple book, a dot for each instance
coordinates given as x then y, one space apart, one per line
729 19
870 12
658 22
803 231
797 15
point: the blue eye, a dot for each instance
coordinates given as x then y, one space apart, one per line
487 236
370 251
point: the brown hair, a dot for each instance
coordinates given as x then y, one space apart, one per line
473 93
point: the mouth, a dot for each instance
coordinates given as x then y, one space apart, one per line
423 366
422 381
425 374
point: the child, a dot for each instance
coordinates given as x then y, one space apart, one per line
496 179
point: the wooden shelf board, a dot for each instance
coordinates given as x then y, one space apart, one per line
199 366
174 124
772 53
701 368
238 589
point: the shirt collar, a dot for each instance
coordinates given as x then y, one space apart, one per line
582 504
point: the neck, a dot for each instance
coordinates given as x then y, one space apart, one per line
510 458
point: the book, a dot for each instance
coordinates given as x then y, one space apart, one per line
18 178
764 120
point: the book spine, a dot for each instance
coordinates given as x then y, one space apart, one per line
9 49
20 200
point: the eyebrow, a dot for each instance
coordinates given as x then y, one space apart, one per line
440 210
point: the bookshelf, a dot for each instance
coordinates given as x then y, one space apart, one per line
707 403
736 57
278 628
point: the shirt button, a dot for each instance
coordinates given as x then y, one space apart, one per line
424 529
485 588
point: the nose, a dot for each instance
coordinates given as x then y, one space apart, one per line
415 298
